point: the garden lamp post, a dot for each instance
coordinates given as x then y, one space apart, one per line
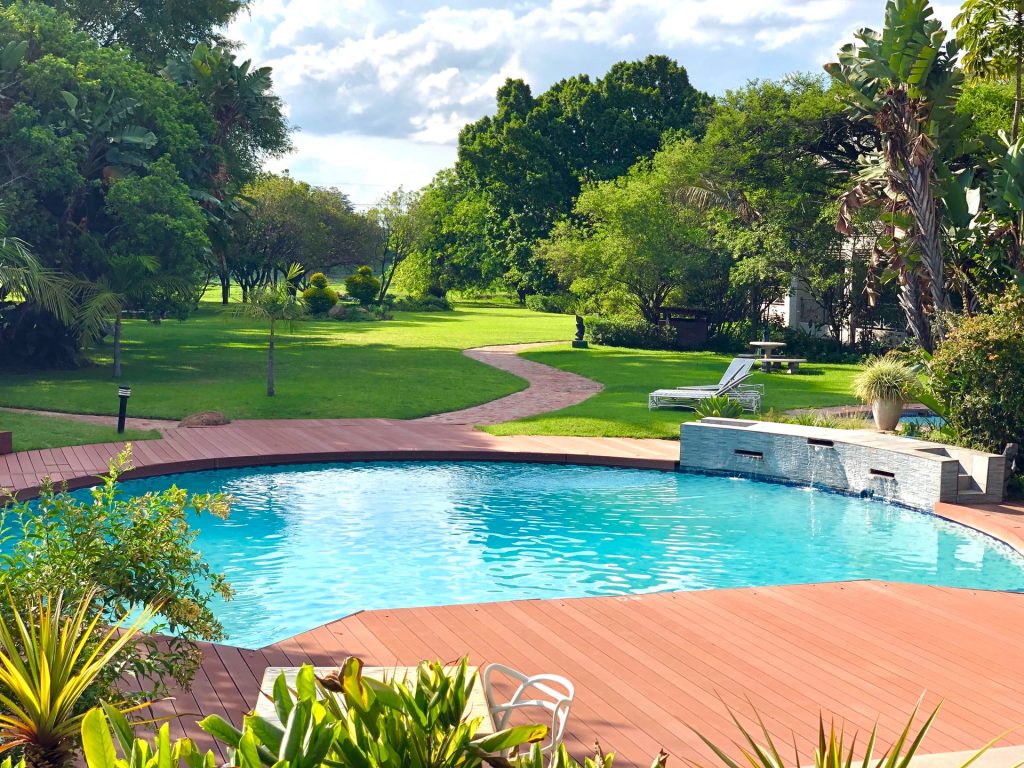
123 392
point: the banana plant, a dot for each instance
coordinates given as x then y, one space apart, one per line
904 79
49 658
349 720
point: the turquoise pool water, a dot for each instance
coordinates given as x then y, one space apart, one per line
311 543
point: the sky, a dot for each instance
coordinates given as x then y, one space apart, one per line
379 90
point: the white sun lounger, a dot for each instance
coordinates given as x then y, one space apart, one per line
731 384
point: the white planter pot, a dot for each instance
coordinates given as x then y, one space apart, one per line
887 414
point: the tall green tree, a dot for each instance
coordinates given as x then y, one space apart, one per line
991 33
638 233
905 80
395 227
452 251
283 221
532 156
250 126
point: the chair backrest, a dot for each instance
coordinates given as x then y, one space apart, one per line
552 693
738 370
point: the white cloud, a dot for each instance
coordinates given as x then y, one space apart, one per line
398 78
364 167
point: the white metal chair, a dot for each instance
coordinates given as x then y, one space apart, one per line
551 693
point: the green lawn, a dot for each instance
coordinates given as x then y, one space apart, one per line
31 431
628 375
403 368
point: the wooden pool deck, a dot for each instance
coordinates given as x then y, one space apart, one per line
648 668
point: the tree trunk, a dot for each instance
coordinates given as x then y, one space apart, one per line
270 362
1020 67
922 200
117 346
910 301
224 273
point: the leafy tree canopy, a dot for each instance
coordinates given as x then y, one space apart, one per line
151 30
532 156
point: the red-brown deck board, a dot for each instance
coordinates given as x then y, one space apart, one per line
648 668
283 441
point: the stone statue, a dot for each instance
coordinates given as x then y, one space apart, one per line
578 342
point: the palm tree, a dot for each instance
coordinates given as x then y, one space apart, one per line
992 35
24 278
275 303
904 79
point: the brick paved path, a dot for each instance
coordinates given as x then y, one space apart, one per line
550 389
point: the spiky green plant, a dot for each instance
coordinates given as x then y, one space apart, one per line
720 406
833 749
49 656
885 378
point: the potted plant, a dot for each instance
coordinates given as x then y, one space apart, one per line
886 384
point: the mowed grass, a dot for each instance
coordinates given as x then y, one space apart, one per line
628 375
32 431
403 368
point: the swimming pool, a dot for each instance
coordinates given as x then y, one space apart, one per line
308 544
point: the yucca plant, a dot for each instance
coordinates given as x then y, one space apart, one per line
49 657
833 749
720 406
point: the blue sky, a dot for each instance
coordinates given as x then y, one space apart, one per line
379 90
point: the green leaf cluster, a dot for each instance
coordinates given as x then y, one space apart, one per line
129 552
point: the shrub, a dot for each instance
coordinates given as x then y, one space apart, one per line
422 304
977 374
720 406
637 334
362 285
556 303
885 378
319 296
131 551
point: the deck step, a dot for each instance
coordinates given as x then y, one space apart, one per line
965 482
970 497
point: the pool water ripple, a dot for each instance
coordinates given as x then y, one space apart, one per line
311 543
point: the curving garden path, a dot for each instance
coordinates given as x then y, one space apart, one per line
550 389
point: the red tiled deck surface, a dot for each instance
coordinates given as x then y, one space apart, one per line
649 667
312 440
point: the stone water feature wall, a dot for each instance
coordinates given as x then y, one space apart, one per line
911 472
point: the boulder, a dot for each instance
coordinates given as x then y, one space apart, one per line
205 419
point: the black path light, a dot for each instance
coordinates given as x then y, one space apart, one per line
123 392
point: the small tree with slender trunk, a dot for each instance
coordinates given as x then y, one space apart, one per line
275 303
